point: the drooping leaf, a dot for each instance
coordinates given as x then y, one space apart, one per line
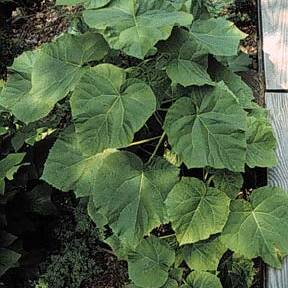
196 211
8 166
105 114
208 129
197 8
218 36
14 95
57 68
228 182
237 63
204 255
188 60
200 279
90 4
262 223
121 248
240 89
39 200
261 143
237 272
76 168
136 26
131 196
30 134
148 266
8 258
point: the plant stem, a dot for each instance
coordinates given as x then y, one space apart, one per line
144 141
157 147
166 236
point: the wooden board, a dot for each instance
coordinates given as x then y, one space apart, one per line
275 43
277 104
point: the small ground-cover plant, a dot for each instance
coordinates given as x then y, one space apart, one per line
150 94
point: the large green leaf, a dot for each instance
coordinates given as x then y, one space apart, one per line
208 129
237 63
240 89
14 95
8 259
57 68
148 266
261 143
196 211
228 182
8 166
91 4
170 283
262 223
197 279
131 196
135 26
106 114
204 255
68 168
218 36
187 59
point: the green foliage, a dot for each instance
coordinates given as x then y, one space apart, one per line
196 211
260 222
198 279
136 26
156 257
237 272
207 128
204 255
148 92
8 167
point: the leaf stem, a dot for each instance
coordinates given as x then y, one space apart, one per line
167 236
144 141
157 147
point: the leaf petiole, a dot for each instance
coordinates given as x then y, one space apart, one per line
144 141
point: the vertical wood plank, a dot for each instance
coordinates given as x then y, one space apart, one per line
275 43
277 104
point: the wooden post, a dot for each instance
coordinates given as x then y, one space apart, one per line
274 24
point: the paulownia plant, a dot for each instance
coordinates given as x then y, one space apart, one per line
152 94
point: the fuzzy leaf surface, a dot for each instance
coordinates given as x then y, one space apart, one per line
196 211
15 93
208 129
188 60
131 195
204 255
240 89
262 222
228 182
148 266
77 169
105 114
136 26
261 143
199 279
57 68
218 36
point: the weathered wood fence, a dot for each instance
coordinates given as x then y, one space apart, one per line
274 23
